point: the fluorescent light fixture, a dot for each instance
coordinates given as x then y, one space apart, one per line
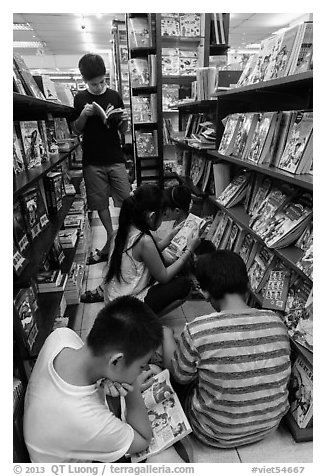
62 77
22 26
29 44
253 46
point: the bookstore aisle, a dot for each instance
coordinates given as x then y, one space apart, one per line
277 448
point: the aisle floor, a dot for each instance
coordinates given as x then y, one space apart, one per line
277 448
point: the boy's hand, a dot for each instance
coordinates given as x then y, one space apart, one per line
174 231
115 389
124 117
193 241
88 110
145 379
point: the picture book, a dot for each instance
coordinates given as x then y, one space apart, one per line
245 247
276 290
146 143
144 108
190 24
285 123
229 134
244 134
44 150
303 58
25 320
260 136
296 142
235 191
17 82
31 143
51 138
265 60
188 66
276 198
139 72
30 200
170 24
288 223
139 32
261 188
20 234
61 127
283 56
301 393
305 263
170 62
249 191
214 225
18 158
168 420
170 96
191 227
220 229
26 77
226 233
197 168
267 153
53 191
234 232
259 267
111 116
303 332
247 73
295 306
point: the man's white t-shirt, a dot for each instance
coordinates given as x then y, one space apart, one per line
69 423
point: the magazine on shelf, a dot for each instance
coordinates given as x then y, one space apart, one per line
170 24
246 247
261 188
259 268
244 135
235 191
139 32
192 226
197 168
31 141
301 393
168 420
286 121
262 136
266 59
297 141
220 229
248 71
276 289
234 232
144 108
170 96
25 317
283 57
27 79
190 24
139 72
305 263
146 143
110 116
20 234
18 153
229 134
30 200
302 60
303 332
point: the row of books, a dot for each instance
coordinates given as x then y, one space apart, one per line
179 61
205 83
143 71
277 287
181 24
35 141
283 54
278 211
281 139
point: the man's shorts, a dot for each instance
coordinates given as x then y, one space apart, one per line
101 181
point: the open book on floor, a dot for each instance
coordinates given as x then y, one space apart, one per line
168 420
110 115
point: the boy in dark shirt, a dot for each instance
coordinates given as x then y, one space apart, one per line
103 161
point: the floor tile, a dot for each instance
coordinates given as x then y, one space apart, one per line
279 447
95 271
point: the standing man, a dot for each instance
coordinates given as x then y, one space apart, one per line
103 161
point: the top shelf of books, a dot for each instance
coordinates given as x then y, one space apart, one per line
28 107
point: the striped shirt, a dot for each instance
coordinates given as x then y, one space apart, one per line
241 362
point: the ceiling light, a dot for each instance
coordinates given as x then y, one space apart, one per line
22 26
29 44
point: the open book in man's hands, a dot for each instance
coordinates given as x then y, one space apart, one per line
168 420
110 116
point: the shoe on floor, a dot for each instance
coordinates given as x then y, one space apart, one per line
184 449
96 257
94 295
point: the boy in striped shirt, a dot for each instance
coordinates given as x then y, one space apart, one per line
236 360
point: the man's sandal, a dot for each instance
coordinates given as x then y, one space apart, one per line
96 257
94 295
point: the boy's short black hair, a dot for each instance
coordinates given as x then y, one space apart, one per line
204 247
222 272
126 325
91 66
178 196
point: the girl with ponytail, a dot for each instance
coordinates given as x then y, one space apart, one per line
136 266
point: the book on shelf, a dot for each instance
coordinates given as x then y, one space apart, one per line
297 150
146 143
188 61
61 128
170 62
266 58
262 137
68 237
305 263
31 141
73 287
302 60
285 123
18 392
48 279
111 116
20 234
18 152
271 142
69 189
53 191
276 290
144 108
289 222
232 238
192 225
303 332
25 318
214 224
197 168
139 72
246 248
170 24
139 32
275 199
235 191
261 188
248 71
30 202
55 288
19 261
168 420
261 264
301 393
56 254
285 52
190 24
218 37
222 179
306 238
220 229
206 80
26 77
170 96
18 85
206 174
232 125
47 87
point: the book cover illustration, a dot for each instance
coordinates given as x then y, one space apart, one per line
258 268
220 229
305 263
27 78
262 187
246 247
197 168
303 333
26 317
18 84
111 116
170 62
295 306
170 96
276 290
18 158
296 142
30 202
144 108
61 128
170 24
190 24
20 234
248 72
242 135
259 137
139 34
266 58
235 230
168 420
31 143
229 135
303 59
191 227
139 72
235 191
44 151
301 393
283 56
53 191
146 143
18 260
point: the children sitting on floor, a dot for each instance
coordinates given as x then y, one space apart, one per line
230 367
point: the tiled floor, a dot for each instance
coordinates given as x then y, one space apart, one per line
277 448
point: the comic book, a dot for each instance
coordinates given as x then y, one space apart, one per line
192 225
229 135
168 420
301 393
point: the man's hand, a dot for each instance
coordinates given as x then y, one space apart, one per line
88 110
115 389
124 118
